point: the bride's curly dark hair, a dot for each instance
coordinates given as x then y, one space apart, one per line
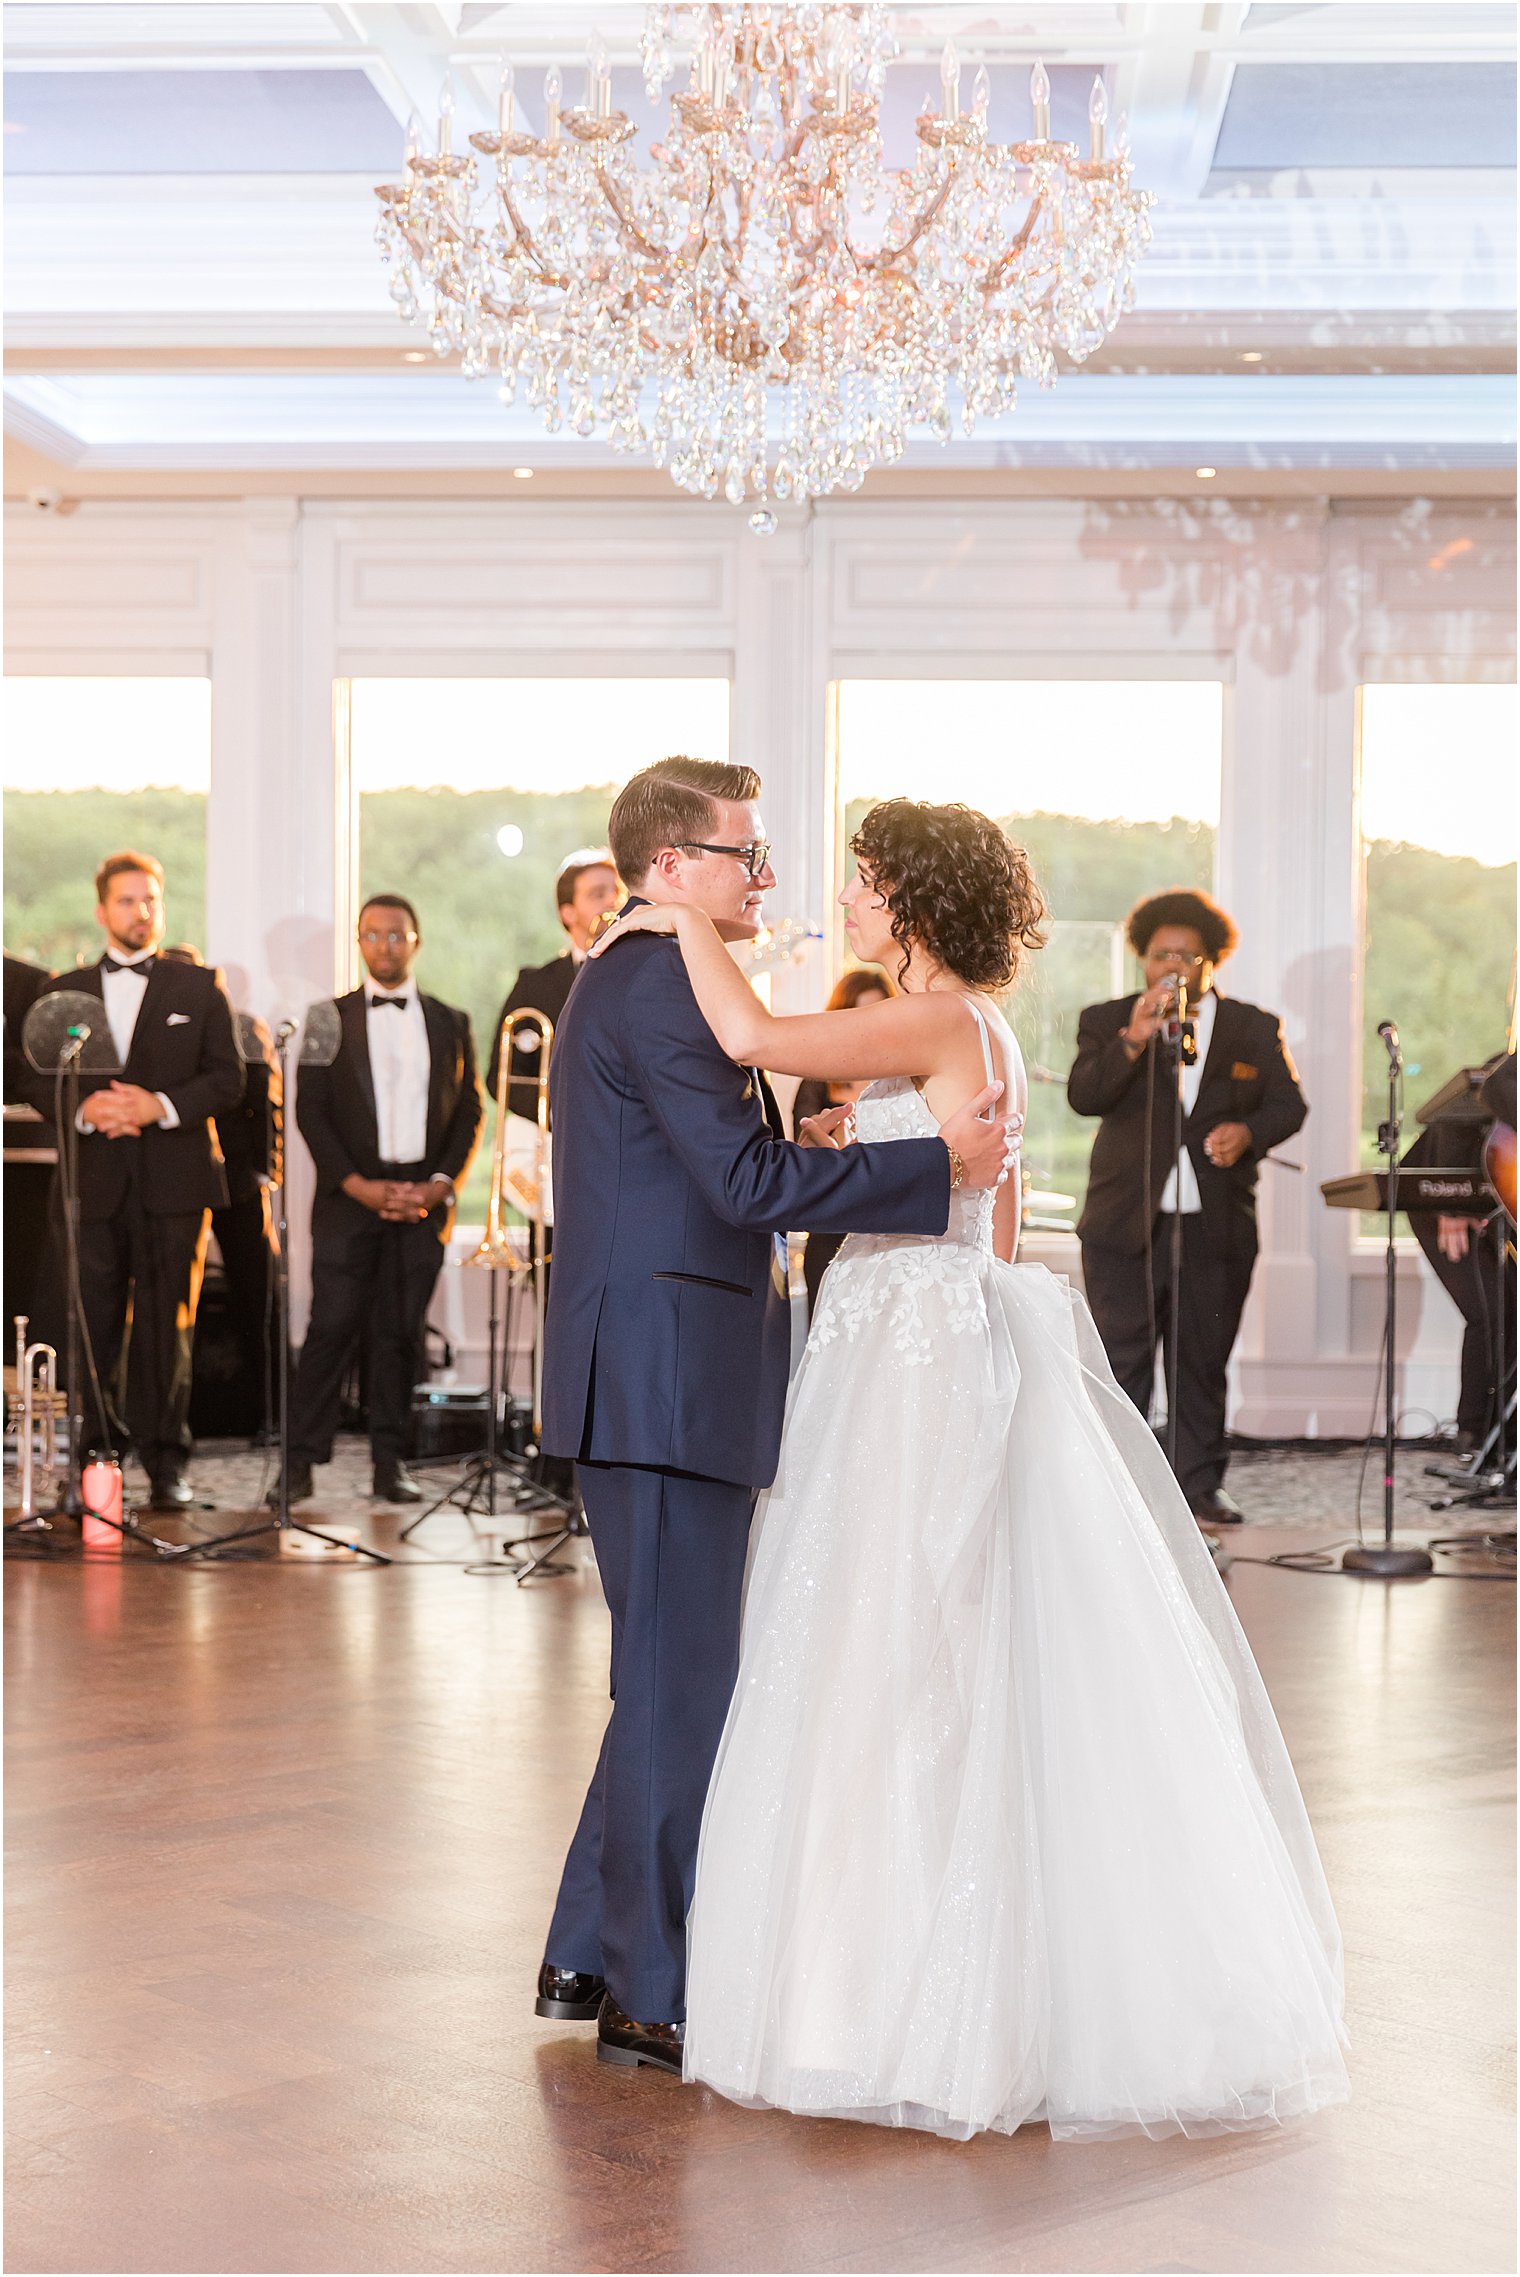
955 883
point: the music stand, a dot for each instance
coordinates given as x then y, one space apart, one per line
474 1490
1388 1560
65 1031
320 1041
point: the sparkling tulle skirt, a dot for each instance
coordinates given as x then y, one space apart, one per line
1002 1826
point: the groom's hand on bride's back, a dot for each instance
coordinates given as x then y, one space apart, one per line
987 1148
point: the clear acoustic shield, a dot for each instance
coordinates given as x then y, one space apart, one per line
64 1016
321 1035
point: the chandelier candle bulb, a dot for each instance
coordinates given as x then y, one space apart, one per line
446 116
504 105
1097 119
1039 95
981 94
553 88
950 81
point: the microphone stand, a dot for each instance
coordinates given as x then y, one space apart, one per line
71 1502
1385 1560
1182 1051
281 1522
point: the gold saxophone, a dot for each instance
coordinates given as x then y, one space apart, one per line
502 1245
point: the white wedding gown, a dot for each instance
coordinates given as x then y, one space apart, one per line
1002 1826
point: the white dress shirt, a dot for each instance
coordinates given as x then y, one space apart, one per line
1180 1192
122 993
401 1063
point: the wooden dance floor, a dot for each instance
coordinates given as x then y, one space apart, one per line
283 1844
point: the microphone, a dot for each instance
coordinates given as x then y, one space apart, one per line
284 1032
78 1035
1390 1036
1177 1028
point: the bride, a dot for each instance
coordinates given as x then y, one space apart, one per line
1002 1827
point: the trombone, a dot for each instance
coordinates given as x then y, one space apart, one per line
36 1403
524 1181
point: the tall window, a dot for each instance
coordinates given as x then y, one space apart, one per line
1438 838
472 792
1113 786
91 766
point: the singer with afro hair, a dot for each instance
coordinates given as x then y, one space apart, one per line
1240 1099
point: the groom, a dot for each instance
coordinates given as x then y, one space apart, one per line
666 1368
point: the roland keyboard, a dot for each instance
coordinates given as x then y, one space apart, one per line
1451 1193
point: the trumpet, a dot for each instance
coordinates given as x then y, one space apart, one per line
36 1402
520 1173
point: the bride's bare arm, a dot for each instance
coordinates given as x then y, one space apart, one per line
905 1035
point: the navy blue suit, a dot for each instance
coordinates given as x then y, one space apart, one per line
665 1375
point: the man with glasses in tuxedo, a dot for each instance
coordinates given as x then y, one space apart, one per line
1240 1098
391 1126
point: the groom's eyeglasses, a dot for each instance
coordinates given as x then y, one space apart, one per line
754 856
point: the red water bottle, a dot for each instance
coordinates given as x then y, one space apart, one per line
103 1498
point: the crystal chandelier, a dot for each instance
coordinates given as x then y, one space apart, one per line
764 307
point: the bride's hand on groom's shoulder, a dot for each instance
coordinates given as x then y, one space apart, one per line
645 919
834 1127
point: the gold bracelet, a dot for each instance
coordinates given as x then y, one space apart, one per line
957 1169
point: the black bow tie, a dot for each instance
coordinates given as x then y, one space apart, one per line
114 964
376 1002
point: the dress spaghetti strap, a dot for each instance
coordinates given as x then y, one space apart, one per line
981 1020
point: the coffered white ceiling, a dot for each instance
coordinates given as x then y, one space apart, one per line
192 283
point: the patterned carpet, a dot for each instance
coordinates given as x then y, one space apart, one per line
1300 1488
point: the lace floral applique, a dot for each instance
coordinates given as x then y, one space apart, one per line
917 1292
918 1288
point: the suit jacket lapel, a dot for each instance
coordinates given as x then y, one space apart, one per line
1216 1068
440 1036
351 1013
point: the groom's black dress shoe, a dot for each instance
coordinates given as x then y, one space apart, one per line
573 1995
619 2040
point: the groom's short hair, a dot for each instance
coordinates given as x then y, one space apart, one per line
669 804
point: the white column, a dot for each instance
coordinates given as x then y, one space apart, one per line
1274 818
779 728
277 851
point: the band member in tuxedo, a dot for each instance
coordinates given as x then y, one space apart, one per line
150 1169
585 890
391 1125
1466 1259
24 983
1240 1098
251 1137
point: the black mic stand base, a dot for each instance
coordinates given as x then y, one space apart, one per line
1387 1562
278 1525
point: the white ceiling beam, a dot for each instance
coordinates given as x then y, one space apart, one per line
408 51
1172 88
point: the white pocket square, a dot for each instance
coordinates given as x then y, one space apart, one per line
178 1020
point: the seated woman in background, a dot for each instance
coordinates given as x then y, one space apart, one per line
867 984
